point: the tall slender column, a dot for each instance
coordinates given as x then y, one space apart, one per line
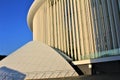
92 27
113 31
52 24
85 31
48 22
45 23
89 26
116 20
80 23
104 7
65 45
72 13
58 26
76 7
66 26
70 27
95 30
99 25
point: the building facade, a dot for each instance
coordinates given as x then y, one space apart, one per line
82 29
70 38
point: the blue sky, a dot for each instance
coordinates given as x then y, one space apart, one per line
14 31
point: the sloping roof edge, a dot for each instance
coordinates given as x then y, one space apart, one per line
39 60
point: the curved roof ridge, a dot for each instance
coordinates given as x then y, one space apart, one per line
33 9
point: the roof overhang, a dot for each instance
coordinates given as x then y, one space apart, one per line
33 9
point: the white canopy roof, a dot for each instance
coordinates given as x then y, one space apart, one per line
37 61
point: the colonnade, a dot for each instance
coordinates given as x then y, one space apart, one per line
79 28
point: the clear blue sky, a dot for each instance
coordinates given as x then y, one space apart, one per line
14 31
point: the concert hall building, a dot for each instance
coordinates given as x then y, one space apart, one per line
70 38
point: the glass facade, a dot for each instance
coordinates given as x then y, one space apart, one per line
82 29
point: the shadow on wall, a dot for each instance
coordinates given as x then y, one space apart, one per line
10 74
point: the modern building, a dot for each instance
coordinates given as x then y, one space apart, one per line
81 29
72 36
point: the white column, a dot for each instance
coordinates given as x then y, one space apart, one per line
91 13
66 26
52 25
58 25
73 31
80 23
89 26
85 31
55 26
48 22
77 26
69 27
62 22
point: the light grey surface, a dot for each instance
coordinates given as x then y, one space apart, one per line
36 60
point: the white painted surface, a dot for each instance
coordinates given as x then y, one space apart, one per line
106 59
38 60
